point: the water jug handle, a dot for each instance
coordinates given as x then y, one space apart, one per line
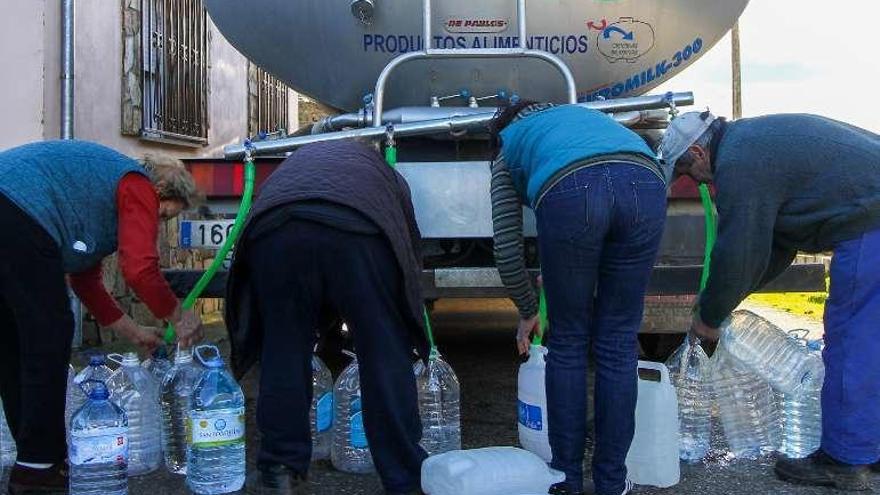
197 352
660 367
349 353
799 334
116 358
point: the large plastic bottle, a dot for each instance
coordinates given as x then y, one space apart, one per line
135 391
175 394
802 418
216 449
489 471
70 398
350 451
688 372
653 455
439 406
96 370
7 443
321 412
769 352
158 365
532 404
98 445
746 405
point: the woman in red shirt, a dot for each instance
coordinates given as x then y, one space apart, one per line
64 205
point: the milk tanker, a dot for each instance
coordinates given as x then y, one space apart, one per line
430 87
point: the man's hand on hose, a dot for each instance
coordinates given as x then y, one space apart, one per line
702 331
525 330
144 338
188 327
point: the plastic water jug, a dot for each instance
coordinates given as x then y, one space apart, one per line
175 394
653 454
7 443
746 406
135 391
71 399
688 370
158 365
216 429
439 405
532 404
769 352
98 445
801 415
350 451
489 471
96 370
321 412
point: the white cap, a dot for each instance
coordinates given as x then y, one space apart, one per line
682 133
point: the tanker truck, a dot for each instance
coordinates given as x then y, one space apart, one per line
426 77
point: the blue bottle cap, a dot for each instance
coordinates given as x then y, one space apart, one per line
97 360
815 345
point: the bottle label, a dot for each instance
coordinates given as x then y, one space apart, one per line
324 413
358 434
530 416
99 447
216 428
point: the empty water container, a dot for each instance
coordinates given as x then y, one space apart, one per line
7 443
802 418
653 454
158 365
746 406
98 445
321 412
216 451
135 391
489 471
439 406
96 370
350 451
175 394
688 372
769 352
532 404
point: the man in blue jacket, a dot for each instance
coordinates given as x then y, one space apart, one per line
789 183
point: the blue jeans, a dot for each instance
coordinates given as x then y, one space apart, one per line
851 394
599 231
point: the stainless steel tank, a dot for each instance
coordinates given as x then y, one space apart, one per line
333 50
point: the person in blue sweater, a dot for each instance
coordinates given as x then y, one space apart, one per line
599 195
789 183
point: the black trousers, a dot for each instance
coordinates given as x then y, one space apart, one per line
295 271
36 328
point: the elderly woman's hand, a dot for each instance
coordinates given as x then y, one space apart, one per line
188 328
148 340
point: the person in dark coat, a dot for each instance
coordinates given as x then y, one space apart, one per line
333 227
790 183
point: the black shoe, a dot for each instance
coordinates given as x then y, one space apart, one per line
276 479
821 470
561 489
25 480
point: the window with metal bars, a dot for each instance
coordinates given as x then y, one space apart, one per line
268 104
174 51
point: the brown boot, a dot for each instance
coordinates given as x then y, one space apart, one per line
25 480
819 469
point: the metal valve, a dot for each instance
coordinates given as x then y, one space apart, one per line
363 10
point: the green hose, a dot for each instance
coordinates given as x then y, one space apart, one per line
542 317
391 158
711 233
243 209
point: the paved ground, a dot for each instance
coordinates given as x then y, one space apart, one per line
476 338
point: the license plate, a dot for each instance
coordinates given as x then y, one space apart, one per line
205 234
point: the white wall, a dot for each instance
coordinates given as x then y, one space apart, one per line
21 82
29 94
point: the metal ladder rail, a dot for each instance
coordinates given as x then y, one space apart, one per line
429 53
